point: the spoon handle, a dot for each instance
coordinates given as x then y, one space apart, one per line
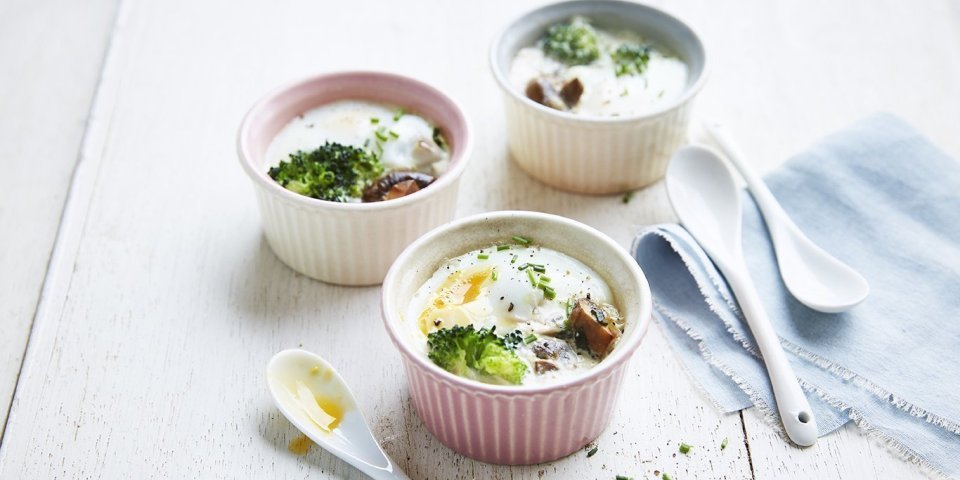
795 412
812 275
391 472
773 213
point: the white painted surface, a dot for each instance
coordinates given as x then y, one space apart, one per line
46 92
164 303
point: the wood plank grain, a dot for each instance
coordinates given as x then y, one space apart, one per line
785 74
819 67
148 355
846 453
46 92
152 362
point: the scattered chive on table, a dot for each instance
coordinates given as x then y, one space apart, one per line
141 303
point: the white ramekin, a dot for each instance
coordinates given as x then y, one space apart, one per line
349 243
590 154
515 424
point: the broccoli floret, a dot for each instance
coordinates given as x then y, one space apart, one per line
332 172
573 42
631 58
479 354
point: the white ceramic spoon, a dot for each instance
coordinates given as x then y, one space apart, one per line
813 276
351 439
706 198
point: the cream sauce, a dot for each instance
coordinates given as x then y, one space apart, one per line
605 94
495 292
372 126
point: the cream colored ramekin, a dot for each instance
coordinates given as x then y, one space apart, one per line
349 243
590 154
515 424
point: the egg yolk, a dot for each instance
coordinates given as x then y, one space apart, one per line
459 288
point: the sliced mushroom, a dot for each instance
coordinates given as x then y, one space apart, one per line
592 328
571 92
543 366
388 187
554 349
540 90
401 189
537 90
548 348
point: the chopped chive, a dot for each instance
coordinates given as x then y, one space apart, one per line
521 240
530 339
501 248
544 279
374 120
438 138
522 267
483 256
513 260
623 477
684 448
380 136
548 292
592 452
394 134
723 444
569 307
666 477
396 116
533 280
538 268
627 197
493 275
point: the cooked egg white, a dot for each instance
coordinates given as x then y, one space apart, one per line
494 292
358 123
605 94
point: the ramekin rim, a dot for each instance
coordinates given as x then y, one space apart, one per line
457 164
677 103
621 354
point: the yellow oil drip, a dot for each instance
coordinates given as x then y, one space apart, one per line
333 408
300 445
324 412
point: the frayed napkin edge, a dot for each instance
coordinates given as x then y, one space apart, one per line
769 415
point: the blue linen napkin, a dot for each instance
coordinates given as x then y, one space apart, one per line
883 199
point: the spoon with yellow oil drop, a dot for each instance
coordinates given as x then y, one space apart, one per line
313 396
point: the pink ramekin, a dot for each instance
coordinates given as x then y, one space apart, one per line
515 425
349 243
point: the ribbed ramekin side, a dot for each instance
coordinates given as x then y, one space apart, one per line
349 247
518 428
589 156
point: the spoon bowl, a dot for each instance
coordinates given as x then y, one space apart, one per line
701 189
813 276
295 374
705 197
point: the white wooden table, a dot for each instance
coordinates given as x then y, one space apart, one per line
140 302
